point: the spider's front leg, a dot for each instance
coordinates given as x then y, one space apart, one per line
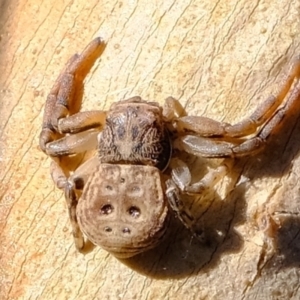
66 131
61 115
205 137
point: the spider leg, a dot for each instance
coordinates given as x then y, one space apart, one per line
177 205
207 127
202 136
83 128
181 182
211 147
67 131
267 109
64 98
73 144
182 177
205 137
72 186
82 121
172 109
72 200
71 197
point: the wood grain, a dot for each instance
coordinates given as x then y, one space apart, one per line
220 59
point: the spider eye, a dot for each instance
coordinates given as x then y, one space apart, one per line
106 209
109 187
107 229
134 211
126 230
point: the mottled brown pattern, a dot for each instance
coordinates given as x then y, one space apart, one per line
123 188
135 134
219 58
117 197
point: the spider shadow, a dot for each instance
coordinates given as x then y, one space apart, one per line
277 161
180 255
287 243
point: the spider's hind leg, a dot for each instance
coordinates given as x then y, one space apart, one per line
181 183
73 189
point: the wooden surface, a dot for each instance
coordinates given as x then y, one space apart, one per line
220 59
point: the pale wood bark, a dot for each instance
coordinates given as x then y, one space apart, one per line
220 59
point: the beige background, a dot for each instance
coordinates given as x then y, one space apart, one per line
220 59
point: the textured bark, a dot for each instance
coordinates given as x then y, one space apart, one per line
220 59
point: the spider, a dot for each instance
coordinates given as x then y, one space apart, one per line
121 198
